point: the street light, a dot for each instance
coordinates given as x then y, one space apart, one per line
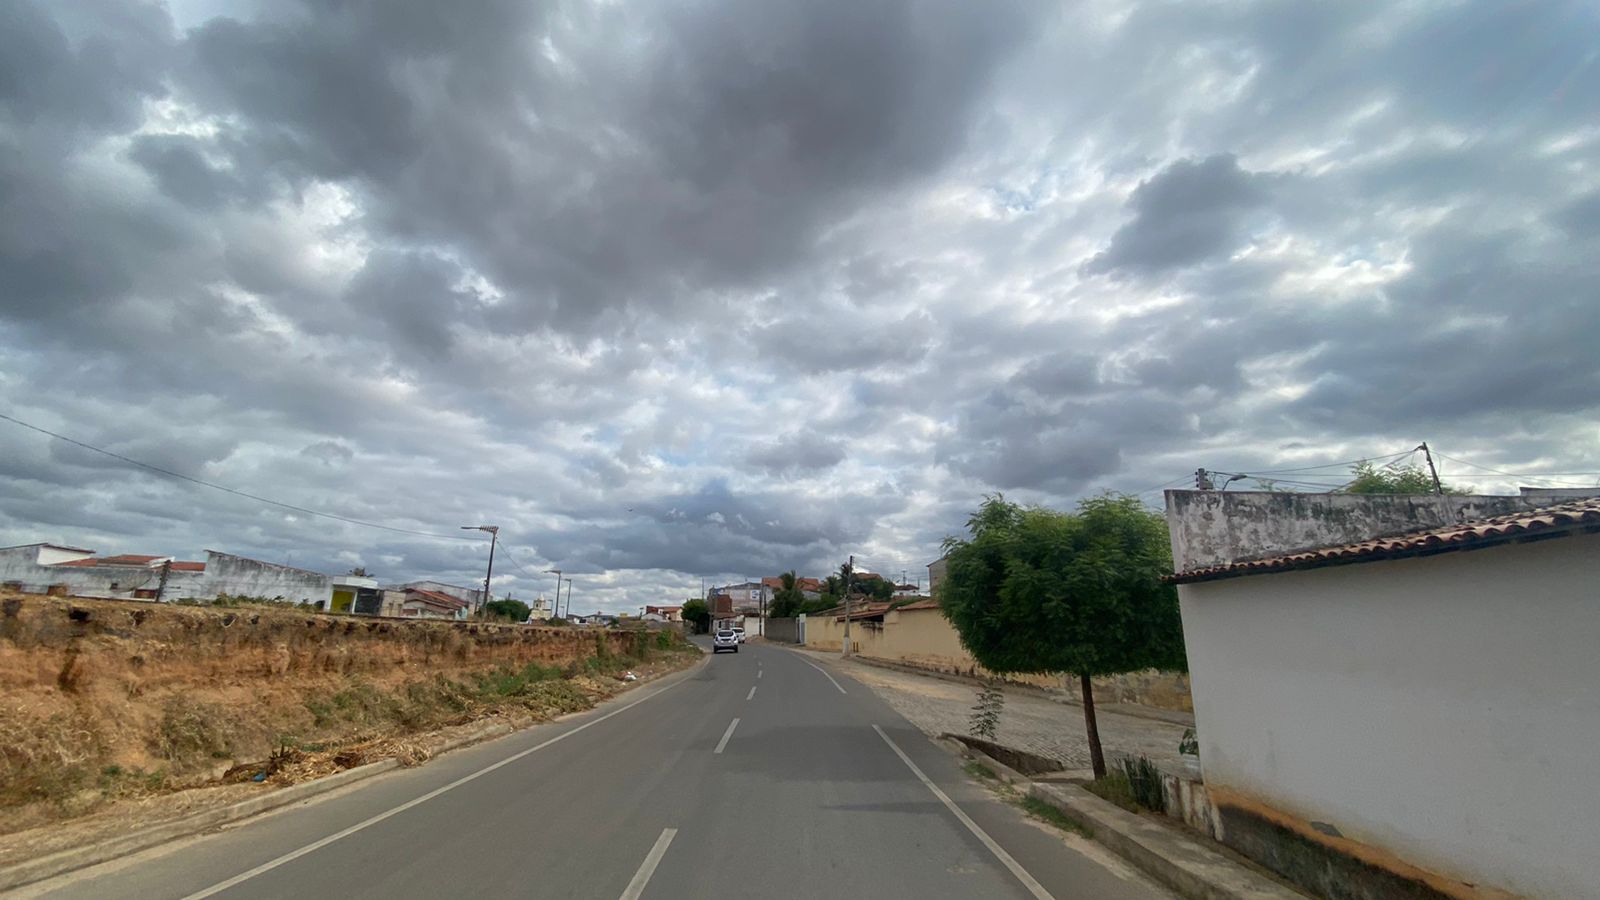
555 611
494 536
569 597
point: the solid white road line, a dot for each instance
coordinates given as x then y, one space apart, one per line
751 695
314 846
824 673
725 735
1028 881
648 867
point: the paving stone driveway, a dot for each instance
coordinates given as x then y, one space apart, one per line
1031 720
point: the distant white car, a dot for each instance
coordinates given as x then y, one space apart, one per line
739 630
725 639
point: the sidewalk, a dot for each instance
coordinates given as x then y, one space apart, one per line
1029 722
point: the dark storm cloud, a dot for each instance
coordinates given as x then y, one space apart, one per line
702 156
1188 212
729 288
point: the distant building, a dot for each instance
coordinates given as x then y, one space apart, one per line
664 613
936 574
58 569
472 596
420 602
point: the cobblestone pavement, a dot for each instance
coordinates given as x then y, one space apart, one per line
1030 720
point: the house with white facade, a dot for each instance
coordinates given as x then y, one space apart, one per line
1395 695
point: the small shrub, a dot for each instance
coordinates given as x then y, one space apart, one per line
1144 779
1115 788
1189 744
1134 785
979 770
986 712
190 731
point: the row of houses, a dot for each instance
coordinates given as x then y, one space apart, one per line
46 568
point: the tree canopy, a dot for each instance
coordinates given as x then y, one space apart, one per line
1371 479
1037 590
698 614
788 599
1034 590
512 610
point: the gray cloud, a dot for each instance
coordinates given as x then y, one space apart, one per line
801 452
1188 212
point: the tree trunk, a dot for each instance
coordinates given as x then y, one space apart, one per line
1097 758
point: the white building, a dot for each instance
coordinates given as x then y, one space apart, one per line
1397 698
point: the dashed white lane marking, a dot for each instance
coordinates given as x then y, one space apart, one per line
725 735
648 867
752 694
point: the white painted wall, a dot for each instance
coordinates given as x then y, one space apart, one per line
50 554
1446 708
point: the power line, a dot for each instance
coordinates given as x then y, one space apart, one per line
1179 480
228 490
1547 476
1337 465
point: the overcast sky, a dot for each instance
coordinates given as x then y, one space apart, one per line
681 289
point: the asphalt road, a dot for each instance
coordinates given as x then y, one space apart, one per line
757 774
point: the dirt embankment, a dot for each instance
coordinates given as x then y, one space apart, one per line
107 700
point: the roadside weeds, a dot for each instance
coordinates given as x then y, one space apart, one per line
308 778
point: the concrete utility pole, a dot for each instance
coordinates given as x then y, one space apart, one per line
849 572
1437 487
494 537
556 610
161 589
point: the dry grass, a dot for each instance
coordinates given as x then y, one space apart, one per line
107 702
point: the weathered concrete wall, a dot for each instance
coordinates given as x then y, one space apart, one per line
925 639
20 566
238 576
1557 495
1214 527
785 631
1438 710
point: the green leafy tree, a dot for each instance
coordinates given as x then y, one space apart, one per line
788 599
698 614
508 609
1370 479
875 587
1040 591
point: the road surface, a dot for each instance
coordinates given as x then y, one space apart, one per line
757 774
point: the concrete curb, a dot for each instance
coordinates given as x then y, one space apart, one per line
62 861
1001 770
1185 865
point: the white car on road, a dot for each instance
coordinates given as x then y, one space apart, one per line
725 639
